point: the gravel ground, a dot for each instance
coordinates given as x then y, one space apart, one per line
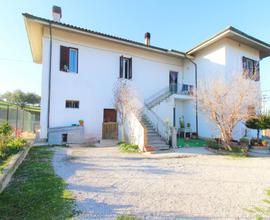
107 183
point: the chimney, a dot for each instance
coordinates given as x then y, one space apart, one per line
147 37
56 13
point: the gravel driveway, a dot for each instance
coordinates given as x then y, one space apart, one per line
107 183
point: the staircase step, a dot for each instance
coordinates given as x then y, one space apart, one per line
158 142
160 146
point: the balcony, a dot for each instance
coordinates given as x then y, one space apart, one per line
182 89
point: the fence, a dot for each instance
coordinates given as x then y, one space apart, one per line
21 120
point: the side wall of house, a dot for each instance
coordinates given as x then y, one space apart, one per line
223 59
98 72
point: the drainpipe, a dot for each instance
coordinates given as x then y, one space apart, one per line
49 83
196 87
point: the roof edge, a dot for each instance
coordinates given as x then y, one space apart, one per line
105 36
223 33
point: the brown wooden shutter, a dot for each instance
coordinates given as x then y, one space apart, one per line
257 70
121 67
130 68
64 58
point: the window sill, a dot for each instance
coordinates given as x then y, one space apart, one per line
68 72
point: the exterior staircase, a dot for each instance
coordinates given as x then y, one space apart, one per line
153 137
157 100
158 132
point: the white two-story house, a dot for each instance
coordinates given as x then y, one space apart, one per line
81 68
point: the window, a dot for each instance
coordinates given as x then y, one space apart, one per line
251 69
125 67
69 59
72 104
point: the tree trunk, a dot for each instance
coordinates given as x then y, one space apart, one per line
258 135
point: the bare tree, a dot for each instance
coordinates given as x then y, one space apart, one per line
125 101
228 102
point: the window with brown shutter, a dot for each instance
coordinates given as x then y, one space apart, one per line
68 59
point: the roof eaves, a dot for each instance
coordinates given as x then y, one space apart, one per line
224 32
123 40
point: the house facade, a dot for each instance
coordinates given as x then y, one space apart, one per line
81 69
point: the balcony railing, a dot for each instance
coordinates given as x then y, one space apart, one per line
182 89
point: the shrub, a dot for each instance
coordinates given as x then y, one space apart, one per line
244 140
264 143
212 143
255 142
8 144
129 148
5 129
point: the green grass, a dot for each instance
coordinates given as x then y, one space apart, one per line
262 212
181 142
126 217
129 148
4 163
36 192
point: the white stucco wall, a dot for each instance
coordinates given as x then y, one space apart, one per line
98 71
93 86
222 59
134 131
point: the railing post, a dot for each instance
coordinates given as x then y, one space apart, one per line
174 137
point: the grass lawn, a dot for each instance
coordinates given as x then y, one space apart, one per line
35 191
181 142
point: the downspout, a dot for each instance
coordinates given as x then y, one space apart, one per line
196 87
49 83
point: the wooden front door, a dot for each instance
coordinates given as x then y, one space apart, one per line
109 127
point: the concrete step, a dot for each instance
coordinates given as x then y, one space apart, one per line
156 141
163 145
153 137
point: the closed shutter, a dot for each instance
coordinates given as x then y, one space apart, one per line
130 68
121 67
64 58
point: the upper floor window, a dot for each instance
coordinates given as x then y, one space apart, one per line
69 59
72 104
125 67
251 69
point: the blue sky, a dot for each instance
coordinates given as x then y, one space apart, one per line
173 24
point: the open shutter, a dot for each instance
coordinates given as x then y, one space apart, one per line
121 67
130 68
245 67
257 70
64 58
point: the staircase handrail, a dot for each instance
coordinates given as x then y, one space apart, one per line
161 127
157 95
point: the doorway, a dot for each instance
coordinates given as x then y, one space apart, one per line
173 80
109 126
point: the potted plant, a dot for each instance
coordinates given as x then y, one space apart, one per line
182 123
244 142
264 143
81 122
194 135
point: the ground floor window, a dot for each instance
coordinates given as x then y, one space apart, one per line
72 104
